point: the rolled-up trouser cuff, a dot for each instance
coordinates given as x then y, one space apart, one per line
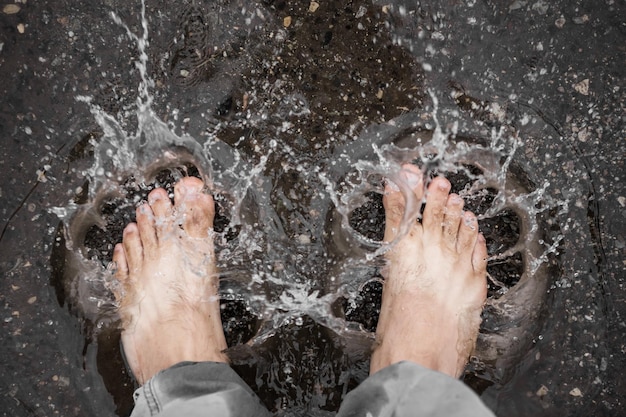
193 389
408 389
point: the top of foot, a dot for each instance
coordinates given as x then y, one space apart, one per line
168 284
435 281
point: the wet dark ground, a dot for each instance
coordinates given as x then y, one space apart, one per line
561 62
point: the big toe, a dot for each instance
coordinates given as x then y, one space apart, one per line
407 187
196 207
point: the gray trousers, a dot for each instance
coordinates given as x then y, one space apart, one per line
213 389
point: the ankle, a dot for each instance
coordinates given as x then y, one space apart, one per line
431 340
436 357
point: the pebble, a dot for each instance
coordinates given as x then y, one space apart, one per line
580 20
21 28
287 21
541 7
313 6
11 8
584 134
32 299
560 22
361 12
576 392
517 4
582 87
41 176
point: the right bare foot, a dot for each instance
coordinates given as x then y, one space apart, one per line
168 282
435 282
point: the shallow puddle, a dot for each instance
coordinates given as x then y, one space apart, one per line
272 290
294 115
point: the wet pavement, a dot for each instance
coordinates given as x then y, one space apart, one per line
553 71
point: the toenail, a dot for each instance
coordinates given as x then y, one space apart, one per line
441 183
470 222
412 179
153 198
111 267
455 199
393 187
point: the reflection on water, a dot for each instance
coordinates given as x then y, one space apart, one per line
298 170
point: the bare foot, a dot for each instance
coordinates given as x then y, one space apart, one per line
168 297
435 282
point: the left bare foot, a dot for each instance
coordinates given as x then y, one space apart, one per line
168 293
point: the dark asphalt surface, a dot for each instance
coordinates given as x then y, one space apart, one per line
563 61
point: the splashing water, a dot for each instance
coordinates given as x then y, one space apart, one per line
487 177
280 284
126 167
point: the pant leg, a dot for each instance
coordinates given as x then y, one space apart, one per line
408 389
193 389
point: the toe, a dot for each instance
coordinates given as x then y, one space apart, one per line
187 186
132 247
121 270
451 220
479 256
196 207
413 178
160 203
146 226
395 202
467 235
163 210
436 199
